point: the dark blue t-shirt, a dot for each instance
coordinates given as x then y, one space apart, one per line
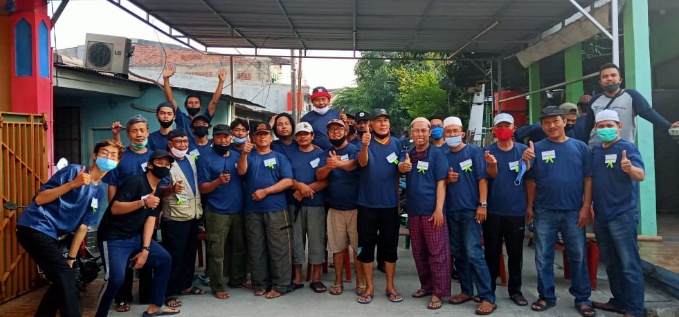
422 181
130 164
157 141
613 191
66 213
504 197
304 166
559 170
356 142
264 171
342 190
233 148
443 148
182 121
470 164
379 179
196 150
280 147
320 125
226 198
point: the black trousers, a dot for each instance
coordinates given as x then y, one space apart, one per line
145 283
62 294
180 239
511 230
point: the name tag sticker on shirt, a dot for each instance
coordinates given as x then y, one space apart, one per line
143 167
194 152
609 159
466 165
392 158
95 204
548 156
315 162
514 166
270 162
422 166
344 157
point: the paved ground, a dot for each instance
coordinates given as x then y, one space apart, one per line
305 302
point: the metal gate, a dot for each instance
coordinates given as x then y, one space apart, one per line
23 169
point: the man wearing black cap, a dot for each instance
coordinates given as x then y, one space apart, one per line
362 126
222 188
559 200
200 144
192 102
182 210
320 116
267 174
378 221
165 115
126 229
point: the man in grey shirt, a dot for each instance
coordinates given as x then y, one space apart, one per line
628 103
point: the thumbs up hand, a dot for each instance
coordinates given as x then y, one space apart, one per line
178 187
625 163
82 179
332 159
452 176
365 139
529 153
405 166
490 158
152 201
247 147
343 116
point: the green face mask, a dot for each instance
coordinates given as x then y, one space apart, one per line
139 147
607 134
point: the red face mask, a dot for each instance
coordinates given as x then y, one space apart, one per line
503 134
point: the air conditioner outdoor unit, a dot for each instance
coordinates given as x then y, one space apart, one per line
108 53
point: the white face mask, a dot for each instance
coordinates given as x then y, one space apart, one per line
178 153
321 111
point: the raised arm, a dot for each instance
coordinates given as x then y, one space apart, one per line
167 73
212 106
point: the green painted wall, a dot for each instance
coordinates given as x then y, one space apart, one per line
535 101
573 68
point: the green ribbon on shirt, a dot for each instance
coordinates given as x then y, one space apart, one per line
179 199
468 168
516 169
420 169
270 165
609 165
549 160
395 161
195 157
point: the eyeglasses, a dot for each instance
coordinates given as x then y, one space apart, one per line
105 153
335 129
180 141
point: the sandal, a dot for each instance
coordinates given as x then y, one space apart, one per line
193 291
360 289
483 308
273 294
337 289
318 287
519 300
222 295
422 292
608 307
123 307
260 292
434 304
365 298
460 299
585 310
541 305
172 302
395 297
164 312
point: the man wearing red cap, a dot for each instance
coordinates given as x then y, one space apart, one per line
320 116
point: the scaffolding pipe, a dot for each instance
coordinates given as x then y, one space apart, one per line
592 19
293 86
231 77
561 84
615 30
499 85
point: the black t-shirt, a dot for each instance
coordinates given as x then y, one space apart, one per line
116 227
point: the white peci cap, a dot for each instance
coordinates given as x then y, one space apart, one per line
607 114
452 121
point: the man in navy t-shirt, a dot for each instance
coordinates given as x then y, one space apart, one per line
338 165
199 145
617 168
165 115
362 126
267 176
283 129
320 115
378 221
68 202
465 206
506 205
305 203
559 200
222 189
240 129
426 170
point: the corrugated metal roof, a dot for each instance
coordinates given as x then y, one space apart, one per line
363 25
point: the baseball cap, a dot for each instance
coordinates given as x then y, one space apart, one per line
568 108
379 112
200 117
452 121
303 127
319 91
336 121
362 116
551 111
503 117
262 127
160 154
221 129
607 114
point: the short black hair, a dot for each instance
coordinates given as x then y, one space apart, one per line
109 142
584 107
282 115
607 66
239 121
191 94
176 133
435 117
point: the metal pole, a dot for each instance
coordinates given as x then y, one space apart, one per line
499 85
233 104
614 29
492 95
592 19
300 100
561 84
293 86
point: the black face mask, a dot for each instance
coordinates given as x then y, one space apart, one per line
160 172
165 124
352 129
611 88
380 136
200 131
220 149
338 142
193 111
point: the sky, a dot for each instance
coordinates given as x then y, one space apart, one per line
101 17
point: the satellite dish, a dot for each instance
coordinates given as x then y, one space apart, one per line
63 162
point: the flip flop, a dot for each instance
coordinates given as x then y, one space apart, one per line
273 294
221 295
608 307
460 299
318 287
434 304
585 310
483 313
160 313
170 299
193 291
365 298
360 289
122 307
421 293
541 305
260 292
519 300
397 297
336 289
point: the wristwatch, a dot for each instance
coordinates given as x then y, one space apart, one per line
147 248
483 204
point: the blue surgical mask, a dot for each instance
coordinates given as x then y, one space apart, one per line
105 164
454 141
437 133
607 134
239 140
139 147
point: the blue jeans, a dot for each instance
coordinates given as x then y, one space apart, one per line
547 224
465 246
617 239
115 254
